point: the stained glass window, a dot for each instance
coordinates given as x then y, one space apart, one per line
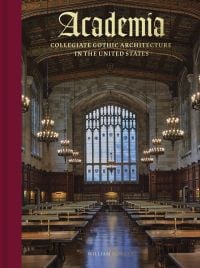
111 130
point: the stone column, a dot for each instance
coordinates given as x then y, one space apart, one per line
193 82
26 127
69 128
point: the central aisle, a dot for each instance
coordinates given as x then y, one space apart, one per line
110 243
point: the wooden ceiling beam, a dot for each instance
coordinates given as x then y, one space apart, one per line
161 63
175 27
97 72
144 63
195 35
45 31
35 8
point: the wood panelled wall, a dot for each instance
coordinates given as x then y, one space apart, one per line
47 182
33 178
160 184
170 184
189 176
52 182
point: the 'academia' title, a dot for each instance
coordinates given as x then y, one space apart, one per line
111 26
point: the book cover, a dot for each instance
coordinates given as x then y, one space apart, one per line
98 109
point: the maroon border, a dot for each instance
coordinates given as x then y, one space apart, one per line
10 134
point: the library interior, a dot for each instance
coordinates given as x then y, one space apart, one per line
110 134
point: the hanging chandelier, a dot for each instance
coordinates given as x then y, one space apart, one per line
146 159
196 101
47 134
111 165
64 151
196 98
25 101
157 149
173 133
75 160
25 104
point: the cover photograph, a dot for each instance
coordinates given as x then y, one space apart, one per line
110 133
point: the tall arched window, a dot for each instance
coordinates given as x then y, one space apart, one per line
111 133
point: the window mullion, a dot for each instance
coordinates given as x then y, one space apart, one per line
92 130
100 164
122 166
129 146
114 145
126 127
107 139
85 151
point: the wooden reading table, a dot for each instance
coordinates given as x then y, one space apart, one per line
186 260
149 223
40 218
77 217
39 261
147 216
57 238
174 234
60 237
64 225
183 216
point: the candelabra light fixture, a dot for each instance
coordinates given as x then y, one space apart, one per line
25 103
75 159
196 99
111 165
64 150
47 134
173 133
146 159
156 149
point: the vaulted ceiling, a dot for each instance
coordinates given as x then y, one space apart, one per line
40 27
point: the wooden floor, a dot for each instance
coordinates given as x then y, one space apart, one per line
110 243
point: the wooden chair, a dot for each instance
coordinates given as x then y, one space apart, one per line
170 246
160 256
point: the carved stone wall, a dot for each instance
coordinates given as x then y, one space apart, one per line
189 86
84 95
